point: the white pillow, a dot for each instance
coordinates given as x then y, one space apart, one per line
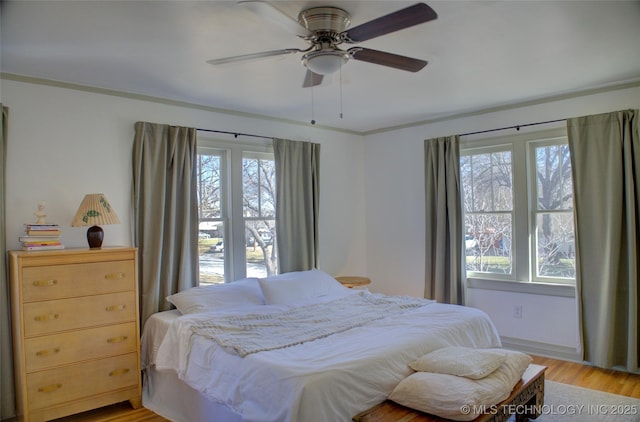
298 286
461 361
218 296
460 398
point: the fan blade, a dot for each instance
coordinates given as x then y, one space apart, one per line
387 59
269 12
253 56
311 79
405 18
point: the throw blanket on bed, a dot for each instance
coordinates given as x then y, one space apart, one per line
246 334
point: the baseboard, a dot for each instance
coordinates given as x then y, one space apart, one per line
552 351
542 349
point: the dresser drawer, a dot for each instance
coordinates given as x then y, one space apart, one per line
64 384
64 348
70 314
73 280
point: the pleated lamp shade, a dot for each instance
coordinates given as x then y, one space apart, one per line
95 210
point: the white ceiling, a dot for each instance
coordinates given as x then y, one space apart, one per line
482 54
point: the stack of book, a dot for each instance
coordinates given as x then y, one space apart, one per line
40 237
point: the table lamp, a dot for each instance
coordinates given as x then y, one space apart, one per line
93 211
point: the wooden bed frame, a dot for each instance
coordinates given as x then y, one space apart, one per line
527 396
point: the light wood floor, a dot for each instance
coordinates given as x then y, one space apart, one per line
607 380
562 371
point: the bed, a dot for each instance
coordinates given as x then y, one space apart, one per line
293 347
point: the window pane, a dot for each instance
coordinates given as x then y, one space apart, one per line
553 178
487 182
488 243
267 188
466 179
258 181
250 187
261 250
211 251
481 182
502 181
209 193
555 245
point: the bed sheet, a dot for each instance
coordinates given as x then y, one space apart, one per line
154 331
329 379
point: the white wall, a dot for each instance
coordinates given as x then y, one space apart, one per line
395 213
64 143
549 321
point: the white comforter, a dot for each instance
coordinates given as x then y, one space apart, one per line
328 379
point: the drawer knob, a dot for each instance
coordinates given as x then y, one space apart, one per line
112 308
118 339
46 317
45 283
115 276
118 372
49 388
48 352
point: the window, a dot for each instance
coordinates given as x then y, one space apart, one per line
236 206
518 214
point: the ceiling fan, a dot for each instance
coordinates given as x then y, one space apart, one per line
325 29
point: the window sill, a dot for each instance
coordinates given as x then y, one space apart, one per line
546 289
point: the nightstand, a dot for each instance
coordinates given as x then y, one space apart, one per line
351 281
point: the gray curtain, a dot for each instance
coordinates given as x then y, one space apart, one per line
297 204
444 257
605 160
165 220
7 392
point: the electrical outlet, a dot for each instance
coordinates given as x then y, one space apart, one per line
517 311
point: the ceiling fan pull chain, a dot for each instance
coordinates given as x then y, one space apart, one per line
313 120
341 93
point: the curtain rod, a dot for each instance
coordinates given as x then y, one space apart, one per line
516 127
235 134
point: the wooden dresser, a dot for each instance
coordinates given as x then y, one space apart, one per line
76 330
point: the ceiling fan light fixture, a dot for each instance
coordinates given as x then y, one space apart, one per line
325 62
